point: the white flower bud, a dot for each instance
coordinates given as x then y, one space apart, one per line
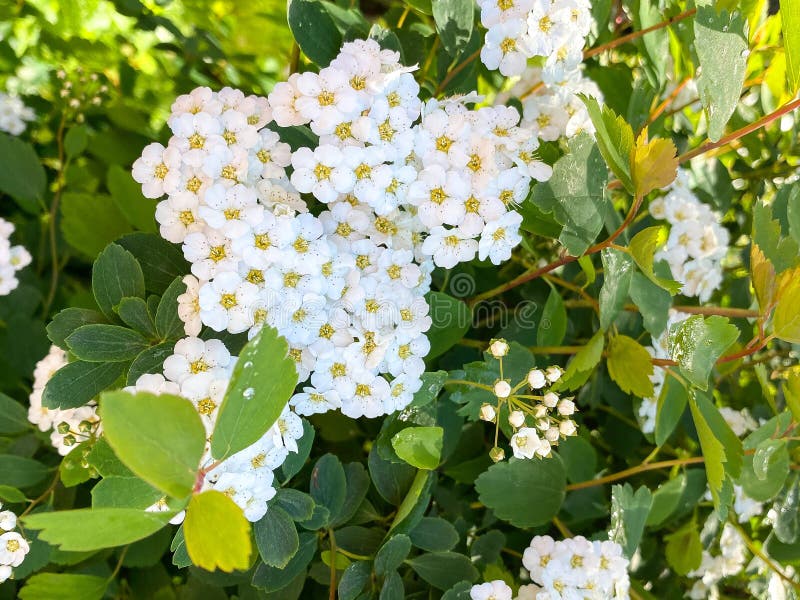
553 374
540 411
502 389
8 520
550 399
543 424
536 379
552 434
498 348
516 418
488 413
567 428
497 454
544 448
566 407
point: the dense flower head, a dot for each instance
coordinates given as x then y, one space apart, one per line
14 115
12 259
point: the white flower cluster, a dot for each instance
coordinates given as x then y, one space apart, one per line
199 371
577 568
345 288
70 426
521 29
730 561
697 242
12 259
13 547
14 115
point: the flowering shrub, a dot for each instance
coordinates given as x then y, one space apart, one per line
491 300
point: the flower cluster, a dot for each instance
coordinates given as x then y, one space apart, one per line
12 259
14 115
697 242
576 568
539 412
13 547
521 29
70 426
730 561
200 372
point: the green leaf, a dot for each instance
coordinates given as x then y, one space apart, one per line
314 30
158 437
454 22
629 513
671 404
525 493
261 385
76 140
150 360
432 383
87 234
216 532
298 505
357 487
764 473
392 554
328 484
393 588
787 523
575 194
392 480
63 586
698 342
790 24
276 537
786 318
168 323
643 247
127 196
434 534
67 321
124 492
451 319
666 500
553 325
11 494
79 382
20 472
582 365
13 417
92 529
21 173
420 447
618 270
272 579
134 313
782 251
684 550
614 138
115 275
580 458
722 51
295 461
354 580
160 261
630 367
655 164
653 303
444 569
105 343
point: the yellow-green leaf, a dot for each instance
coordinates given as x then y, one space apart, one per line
786 320
217 533
643 247
762 274
630 367
654 164
790 22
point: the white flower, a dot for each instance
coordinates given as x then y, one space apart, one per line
327 99
516 418
525 442
312 401
500 237
536 379
13 549
566 407
448 247
506 48
502 389
189 306
225 302
498 348
158 170
8 520
318 172
488 413
492 590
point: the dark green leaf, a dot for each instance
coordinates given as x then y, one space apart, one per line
13 417
105 343
443 569
67 321
276 537
392 554
314 30
20 472
168 323
21 173
134 313
698 342
79 382
553 326
629 513
63 586
328 484
451 320
115 275
454 21
434 534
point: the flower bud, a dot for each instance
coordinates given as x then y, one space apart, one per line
544 448
567 428
516 419
550 399
540 411
497 454
502 389
63 428
536 379
553 374
543 424
498 348
488 413
566 407
552 434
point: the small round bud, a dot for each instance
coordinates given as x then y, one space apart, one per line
63 428
85 426
498 348
550 400
502 389
566 408
552 434
69 440
540 411
488 413
544 448
567 428
497 454
553 374
543 424
536 379
516 419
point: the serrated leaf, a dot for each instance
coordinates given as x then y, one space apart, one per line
790 24
654 164
630 367
762 274
614 138
786 318
421 447
643 247
216 532
116 275
782 251
583 363
629 513
698 342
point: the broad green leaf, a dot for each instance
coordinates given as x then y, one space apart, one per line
90 234
76 140
276 537
671 404
158 437
314 30
630 367
354 580
656 43
298 505
127 196
454 22
553 325
420 447
629 513
20 472
786 318
392 480
272 579
358 485
393 588
666 500
21 173
134 313
160 261
124 492
579 457
328 485
13 417
432 383
653 302
443 569
295 461
261 385
150 360
11 494
575 194
654 164
168 323
79 382
216 532
414 503
434 534
392 554
722 51
790 23
451 318
617 272
643 247
698 342
526 493
115 275
582 365
91 529
782 251
105 343
63 586
764 472
684 550
614 138
787 509
67 321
